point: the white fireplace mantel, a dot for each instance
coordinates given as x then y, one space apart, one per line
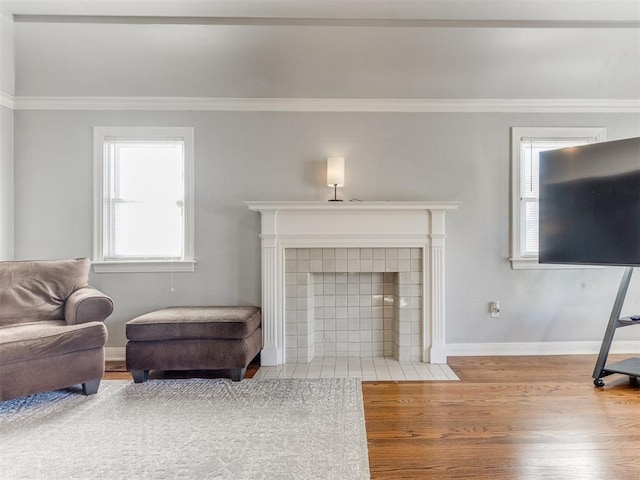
413 224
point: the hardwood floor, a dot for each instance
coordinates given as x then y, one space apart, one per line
508 418
515 418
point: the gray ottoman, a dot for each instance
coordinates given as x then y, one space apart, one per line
194 338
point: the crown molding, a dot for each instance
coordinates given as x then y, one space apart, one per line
7 100
373 105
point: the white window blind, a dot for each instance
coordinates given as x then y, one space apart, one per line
530 149
143 199
527 144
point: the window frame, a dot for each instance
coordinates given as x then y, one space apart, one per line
518 259
100 264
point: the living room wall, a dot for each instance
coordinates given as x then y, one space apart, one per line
6 184
6 137
280 156
254 155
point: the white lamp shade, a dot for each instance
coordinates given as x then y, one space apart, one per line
335 171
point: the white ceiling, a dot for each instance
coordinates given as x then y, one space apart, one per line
546 11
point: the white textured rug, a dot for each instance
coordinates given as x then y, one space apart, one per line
189 429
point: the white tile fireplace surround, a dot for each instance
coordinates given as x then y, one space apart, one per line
353 279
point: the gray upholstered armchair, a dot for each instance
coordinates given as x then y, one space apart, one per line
52 333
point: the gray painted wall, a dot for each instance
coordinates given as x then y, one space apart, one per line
6 138
6 184
281 156
7 64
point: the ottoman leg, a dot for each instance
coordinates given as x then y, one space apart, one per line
140 376
238 374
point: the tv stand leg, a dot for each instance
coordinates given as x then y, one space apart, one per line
598 371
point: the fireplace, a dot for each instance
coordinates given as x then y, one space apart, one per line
310 247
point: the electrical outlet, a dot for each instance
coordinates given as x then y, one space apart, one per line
494 309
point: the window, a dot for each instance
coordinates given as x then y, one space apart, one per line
143 205
526 145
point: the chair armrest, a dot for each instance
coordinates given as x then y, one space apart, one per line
87 304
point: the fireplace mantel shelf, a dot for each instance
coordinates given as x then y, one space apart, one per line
368 224
364 205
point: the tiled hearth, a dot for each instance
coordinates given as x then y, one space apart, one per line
357 302
365 368
338 254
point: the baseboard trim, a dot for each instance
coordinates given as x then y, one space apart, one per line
117 354
537 348
114 354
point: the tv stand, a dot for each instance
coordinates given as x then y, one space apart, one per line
630 366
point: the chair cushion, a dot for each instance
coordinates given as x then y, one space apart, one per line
35 340
194 322
36 290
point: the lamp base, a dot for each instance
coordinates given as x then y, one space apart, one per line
335 194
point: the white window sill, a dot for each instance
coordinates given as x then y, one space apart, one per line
531 263
144 266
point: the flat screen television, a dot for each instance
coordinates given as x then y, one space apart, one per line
590 204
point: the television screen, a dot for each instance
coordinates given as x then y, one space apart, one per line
590 204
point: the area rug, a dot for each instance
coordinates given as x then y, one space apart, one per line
189 429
